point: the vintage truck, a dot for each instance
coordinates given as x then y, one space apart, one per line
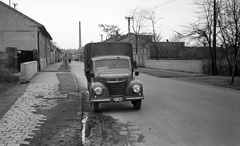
109 68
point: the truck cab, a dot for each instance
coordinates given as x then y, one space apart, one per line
111 76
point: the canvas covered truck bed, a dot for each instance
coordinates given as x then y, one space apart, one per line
105 49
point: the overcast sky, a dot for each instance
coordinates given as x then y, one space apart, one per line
61 17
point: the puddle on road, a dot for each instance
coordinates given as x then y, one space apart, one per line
84 123
98 129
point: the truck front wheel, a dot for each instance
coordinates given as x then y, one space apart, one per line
137 104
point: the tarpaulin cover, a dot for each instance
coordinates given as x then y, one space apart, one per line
105 49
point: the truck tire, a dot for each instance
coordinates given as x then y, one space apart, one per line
95 107
137 104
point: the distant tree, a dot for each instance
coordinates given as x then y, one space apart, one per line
110 30
229 25
202 31
153 17
56 44
179 37
143 20
227 30
139 22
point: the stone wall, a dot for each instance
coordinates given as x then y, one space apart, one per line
9 59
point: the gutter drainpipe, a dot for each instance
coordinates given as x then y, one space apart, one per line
38 46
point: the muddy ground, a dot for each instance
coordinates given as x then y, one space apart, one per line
64 121
64 126
102 130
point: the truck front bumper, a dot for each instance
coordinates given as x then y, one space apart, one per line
116 99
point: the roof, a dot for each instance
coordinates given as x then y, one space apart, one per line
39 25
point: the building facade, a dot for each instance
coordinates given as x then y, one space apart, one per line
30 39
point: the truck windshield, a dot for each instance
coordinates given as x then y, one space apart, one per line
112 64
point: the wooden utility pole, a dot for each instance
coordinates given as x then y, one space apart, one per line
214 58
101 37
129 20
80 36
235 67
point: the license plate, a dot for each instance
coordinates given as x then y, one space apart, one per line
118 99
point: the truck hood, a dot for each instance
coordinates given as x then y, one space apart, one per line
115 73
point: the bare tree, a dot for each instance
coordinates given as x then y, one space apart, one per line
110 30
139 22
153 17
56 44
204 29
229 24
177 37
227 30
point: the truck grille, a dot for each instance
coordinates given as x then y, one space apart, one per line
116 88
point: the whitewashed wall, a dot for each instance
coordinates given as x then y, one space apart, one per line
194 66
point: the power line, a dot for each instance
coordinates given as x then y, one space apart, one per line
165 3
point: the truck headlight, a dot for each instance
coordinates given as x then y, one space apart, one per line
136 88
98 91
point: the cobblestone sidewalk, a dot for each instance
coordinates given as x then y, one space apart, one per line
20 123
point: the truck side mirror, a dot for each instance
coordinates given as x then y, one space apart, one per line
92 75
136 73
